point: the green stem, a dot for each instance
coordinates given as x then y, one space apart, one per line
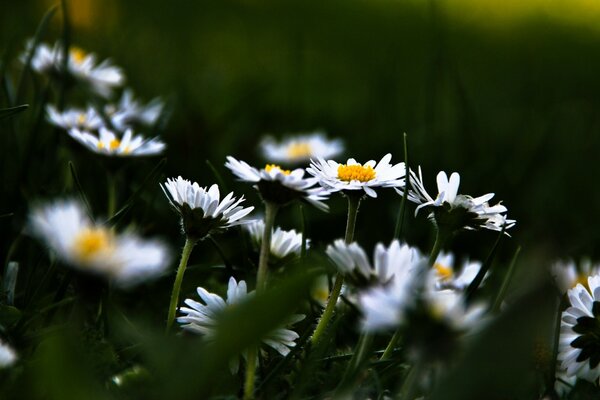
400 219
364 344
250 374
185 255
265 246
353 203
440 238
112 195
506 282
410 384
391 346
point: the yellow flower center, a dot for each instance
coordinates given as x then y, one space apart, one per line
356 172
77 54
112 145
274 167
299 150
443 272
583 279
91 242
81 119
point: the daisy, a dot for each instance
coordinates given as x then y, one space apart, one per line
201 318
108 143
300 148
7 355
129 112
125 258
579 343
101 78
87 120
444 276
567 274
457 210
448 306
280 186
283 243
355 176
202 210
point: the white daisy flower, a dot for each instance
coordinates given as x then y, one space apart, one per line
129 112
355 176
567 275
579 343
109 144
448 305
300 148
444 276
395 267
201 318
101 78
283 243
88 119
69 232
202 211
7 355
457 210
278 185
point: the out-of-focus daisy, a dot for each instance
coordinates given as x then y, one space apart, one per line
7 355
283 243
202 211
300 148
87 120
455 210
564 383
448 305
567 274
444 275
129 112
280 186
201 318
109 144
125 258
579 343
101 78
355 176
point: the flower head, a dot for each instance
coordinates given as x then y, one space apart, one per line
201 318
300 148
443 275
129 112
7 355
69 232
100 78
457 211
567 274
579 343
108 143
351 176
202 211
283 243
87 120
278 185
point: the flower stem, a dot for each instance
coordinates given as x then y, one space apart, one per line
440 238
353 203
391 345
265 247
402 211
185 255
112 195
250 374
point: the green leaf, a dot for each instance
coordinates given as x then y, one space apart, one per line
7 112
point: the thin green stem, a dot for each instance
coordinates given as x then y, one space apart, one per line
250 374
265 246
360 354
440 238
303 228
185 255
112 195
506 282
400 219
391 346
410 384
353 203
485 267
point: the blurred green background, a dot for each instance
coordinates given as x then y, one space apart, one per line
506 93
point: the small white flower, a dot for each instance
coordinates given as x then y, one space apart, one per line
109 144
88 119
567 275
283 243
448 305
201 318
460 211
101 78
202 210
300 148
443 274
396 268
129 112
354 176
7 355
278 185
69 232
579 343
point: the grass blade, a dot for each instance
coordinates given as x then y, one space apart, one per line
7 112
